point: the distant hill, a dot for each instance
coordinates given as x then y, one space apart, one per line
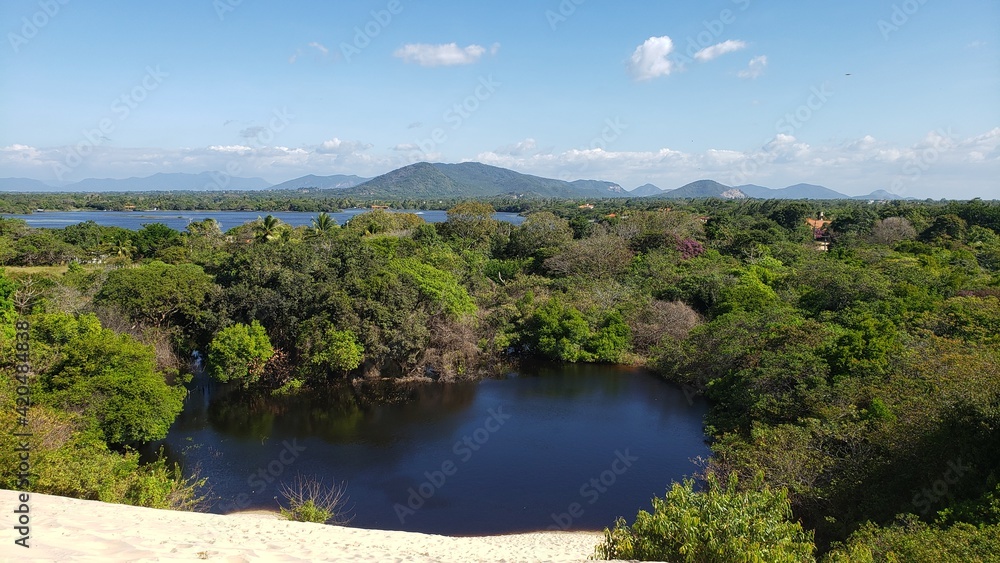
334 182
206 181
808 191
798 191
473 179
702 189
609 189
646 190
753 190
881 195
24 185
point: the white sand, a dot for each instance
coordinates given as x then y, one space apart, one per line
64 529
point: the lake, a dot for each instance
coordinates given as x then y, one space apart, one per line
178 220
554 447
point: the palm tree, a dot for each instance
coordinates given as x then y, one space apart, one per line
323 223
267 229
123 247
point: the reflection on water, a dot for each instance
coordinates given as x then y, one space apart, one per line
494 456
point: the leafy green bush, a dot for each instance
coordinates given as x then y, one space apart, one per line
70 458
562 332
340 351
110 378
916 542
718 525
239 353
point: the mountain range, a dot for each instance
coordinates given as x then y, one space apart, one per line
437 180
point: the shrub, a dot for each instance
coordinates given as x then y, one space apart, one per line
309 501
719 524
916 542
239 353
109 378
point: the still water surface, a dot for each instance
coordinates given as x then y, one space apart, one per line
487 457
178 220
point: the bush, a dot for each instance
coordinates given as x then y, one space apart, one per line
309 501
916 542
717 525
110 378
70 458
239 353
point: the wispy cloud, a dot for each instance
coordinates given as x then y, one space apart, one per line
650 59
755 68
719 49
319 47
521 148
322 52
447 54
338 146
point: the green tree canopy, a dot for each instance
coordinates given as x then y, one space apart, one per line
111 378
159 294
717 525
239 353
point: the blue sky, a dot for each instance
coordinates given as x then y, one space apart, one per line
856 95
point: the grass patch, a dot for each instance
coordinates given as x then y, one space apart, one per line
53 271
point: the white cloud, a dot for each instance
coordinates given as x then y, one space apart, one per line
320 51
527 146
449 54
719 49
337 146
960 168
755 68
238 149
319 47
650 59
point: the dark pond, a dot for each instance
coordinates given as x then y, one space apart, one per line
178 220
571 446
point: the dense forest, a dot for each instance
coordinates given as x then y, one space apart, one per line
852 362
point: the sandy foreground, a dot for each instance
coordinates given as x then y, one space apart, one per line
63 529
